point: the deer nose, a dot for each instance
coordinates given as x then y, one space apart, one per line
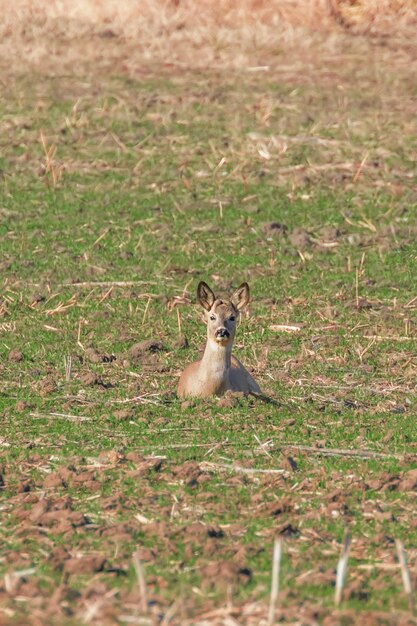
222 332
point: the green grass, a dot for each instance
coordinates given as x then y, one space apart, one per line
161 187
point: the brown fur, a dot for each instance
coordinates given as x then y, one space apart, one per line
218 371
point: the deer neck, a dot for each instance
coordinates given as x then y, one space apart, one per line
216 360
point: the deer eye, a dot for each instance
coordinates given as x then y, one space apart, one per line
212 317
232 318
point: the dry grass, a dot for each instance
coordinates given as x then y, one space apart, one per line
61 36
325 140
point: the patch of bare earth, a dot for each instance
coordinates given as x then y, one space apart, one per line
77 540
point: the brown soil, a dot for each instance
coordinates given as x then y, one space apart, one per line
67 535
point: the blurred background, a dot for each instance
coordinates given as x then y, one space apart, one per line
64 35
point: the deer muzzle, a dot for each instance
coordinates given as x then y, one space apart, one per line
222 333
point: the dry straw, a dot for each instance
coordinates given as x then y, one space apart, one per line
52 170
341 571
140 574
212 33
276 567
405 574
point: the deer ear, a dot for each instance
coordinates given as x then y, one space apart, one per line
205 296
241 296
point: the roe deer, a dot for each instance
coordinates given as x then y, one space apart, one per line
218 371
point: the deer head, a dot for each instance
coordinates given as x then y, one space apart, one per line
222 313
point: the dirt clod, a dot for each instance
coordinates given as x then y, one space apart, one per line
189 472
85 564
300 238
181 343
329 233
47 386
89 379
123 414
53 480
290 463
386 481
143 467
275 229
94 356
39 510
226 402
220 572
408 481
288 530
15 356
280 507
149 345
